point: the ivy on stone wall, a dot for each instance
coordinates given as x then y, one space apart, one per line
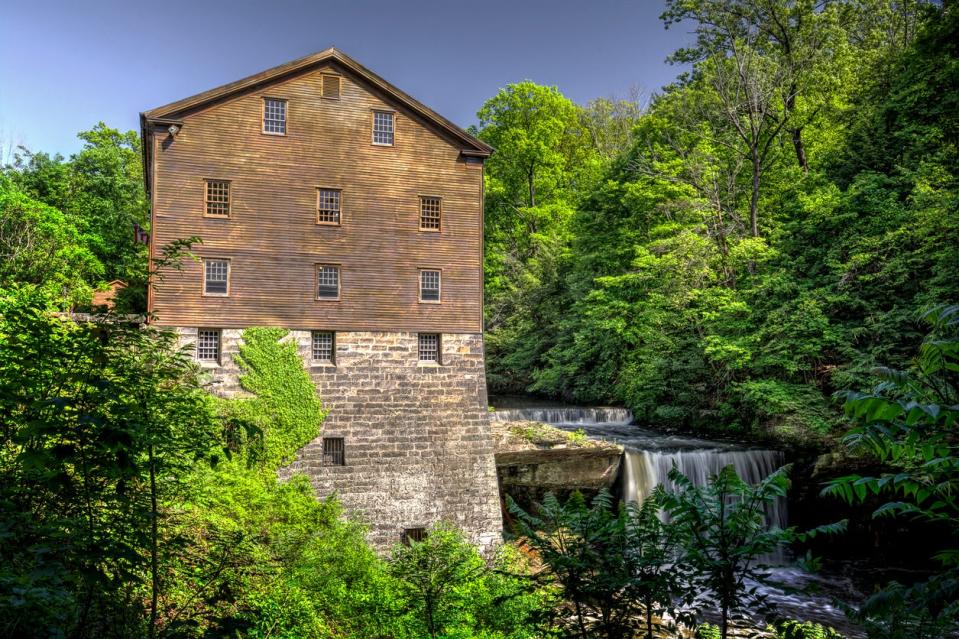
285 411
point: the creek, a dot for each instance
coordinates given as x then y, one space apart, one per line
649 455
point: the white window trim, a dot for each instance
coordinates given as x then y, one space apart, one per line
229 276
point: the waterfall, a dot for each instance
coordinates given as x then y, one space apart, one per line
645 469
650 455
570 416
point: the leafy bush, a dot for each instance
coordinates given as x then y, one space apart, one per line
792 629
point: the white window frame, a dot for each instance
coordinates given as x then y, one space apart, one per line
219 345
332 357
208 261
339 282
392 131
339 204
439 285
439 349
286 116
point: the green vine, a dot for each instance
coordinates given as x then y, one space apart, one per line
285 412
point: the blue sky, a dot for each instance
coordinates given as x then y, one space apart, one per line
65 65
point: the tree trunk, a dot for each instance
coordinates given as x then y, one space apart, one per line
796 132
430 623
724 627
649 619
531 176
800 149
582 624
754 198
154 550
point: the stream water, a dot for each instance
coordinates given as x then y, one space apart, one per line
648 458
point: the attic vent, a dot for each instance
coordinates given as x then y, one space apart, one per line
331 86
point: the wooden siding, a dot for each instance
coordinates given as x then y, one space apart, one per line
272 238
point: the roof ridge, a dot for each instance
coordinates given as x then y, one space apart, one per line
297 65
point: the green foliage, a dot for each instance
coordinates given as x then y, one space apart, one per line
101 422
448 590
284 406
653 291
706 631
94 198
614 566
40 246
433 572
907 422
724 536
792 629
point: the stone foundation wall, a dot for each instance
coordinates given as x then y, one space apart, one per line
417 438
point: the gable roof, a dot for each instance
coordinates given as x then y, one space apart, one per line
171 113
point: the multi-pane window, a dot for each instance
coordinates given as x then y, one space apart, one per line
328 207
208 345
216 274
383 128
327 282
429 286
218 198
430 212
334 451
331 86
323 346
274 116
429 347
414 535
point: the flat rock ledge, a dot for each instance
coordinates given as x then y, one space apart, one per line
541 457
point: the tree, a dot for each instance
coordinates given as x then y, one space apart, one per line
100 424
610 563
772 66
100 193
907 423
39 245
724 535
432 569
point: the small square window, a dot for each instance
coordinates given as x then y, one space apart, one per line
328 206
383 128
411 535
274 116
327 282
331 86
324 346
208 345
218 198
334 451
216 276
430 213
429 286
429 347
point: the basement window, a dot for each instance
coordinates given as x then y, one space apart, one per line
429 286
417 535
274 116
324 346
218 198
216 277
327 282
331 86
334 451
328 206
208 345
430 213
383 128
429 347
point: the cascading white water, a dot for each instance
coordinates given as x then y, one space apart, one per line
644 470
650 455
565 416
